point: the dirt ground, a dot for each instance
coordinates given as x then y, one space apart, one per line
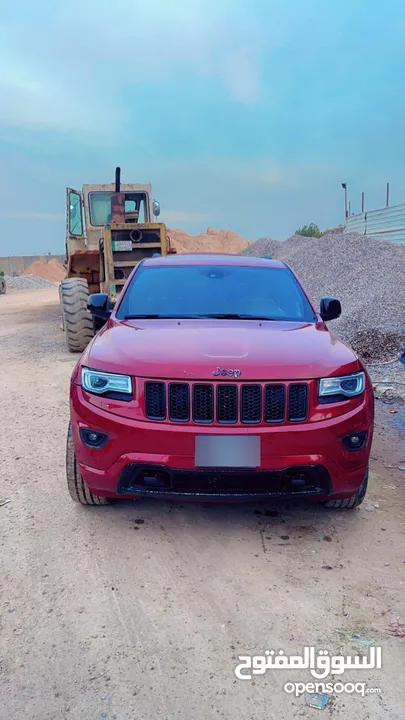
140 610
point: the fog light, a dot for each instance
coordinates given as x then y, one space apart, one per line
356 441
92 438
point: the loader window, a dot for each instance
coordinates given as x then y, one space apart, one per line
100 206
75 214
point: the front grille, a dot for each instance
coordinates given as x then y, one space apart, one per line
159 479
179 402
155 400
251 404
297 403
300 480
274 403
203 403
226 403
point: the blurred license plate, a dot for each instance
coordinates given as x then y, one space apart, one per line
236 451
121 245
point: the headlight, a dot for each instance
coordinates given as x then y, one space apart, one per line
102 383
340 388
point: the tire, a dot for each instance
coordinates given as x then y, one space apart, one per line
77 321
2 286
62 315
78 490
352 502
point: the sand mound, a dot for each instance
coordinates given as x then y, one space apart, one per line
52 270
222 241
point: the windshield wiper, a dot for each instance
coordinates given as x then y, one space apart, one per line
141 317
214 316
152 316
235 316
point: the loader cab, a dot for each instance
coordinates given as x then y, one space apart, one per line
89 210
109 230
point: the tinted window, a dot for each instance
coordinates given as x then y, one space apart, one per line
189 291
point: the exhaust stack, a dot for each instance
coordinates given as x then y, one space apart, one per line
118 200
117 179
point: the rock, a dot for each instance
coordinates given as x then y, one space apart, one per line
27 282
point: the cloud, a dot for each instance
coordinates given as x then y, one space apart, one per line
81 66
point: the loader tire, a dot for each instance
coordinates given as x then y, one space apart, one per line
78 490
2 286
77 321
62 318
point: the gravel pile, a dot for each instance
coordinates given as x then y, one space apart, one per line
28 282
367 275
264 246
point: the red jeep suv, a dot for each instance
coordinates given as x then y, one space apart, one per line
214 378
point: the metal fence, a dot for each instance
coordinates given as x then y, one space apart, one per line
16 264
386 224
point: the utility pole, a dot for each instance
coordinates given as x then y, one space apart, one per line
344 186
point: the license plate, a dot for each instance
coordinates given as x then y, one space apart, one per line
121 245
232 451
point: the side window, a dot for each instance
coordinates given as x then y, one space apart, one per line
132 206
75 214
142 212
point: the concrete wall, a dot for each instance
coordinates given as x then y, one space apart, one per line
15 265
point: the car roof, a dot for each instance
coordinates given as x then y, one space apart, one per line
212 258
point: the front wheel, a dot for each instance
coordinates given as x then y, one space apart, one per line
78 490
352 502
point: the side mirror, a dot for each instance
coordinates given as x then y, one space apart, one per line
330 309
156 208
98 304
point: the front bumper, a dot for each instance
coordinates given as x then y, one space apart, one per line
301 460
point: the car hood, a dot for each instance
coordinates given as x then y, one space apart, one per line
193 349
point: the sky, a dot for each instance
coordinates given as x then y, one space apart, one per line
243 114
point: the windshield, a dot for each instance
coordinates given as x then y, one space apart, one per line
100 206
215 291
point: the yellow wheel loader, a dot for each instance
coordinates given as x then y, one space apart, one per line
109 229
